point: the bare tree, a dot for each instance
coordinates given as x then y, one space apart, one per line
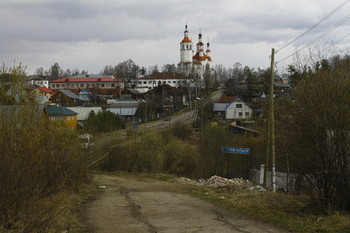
318 130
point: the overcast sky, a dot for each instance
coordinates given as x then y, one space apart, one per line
89 34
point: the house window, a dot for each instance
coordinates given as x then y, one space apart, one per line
82 85
174 81
56 118
145 82
88 85
164 82
238 105
240 114
102 85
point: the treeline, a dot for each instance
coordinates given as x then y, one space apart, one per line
125 70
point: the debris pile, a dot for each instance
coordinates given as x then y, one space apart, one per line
217 181
185 180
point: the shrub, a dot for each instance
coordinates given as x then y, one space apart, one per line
103 122
39 160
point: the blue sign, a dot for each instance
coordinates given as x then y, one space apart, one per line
235 150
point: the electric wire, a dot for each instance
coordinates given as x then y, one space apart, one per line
315 25
339 23
336 42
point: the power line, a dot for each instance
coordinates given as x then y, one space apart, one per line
318 23
334 43
343 20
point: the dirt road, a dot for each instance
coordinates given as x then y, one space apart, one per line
139 205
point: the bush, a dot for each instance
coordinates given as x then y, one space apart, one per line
153 152
181 131
39 161
103 122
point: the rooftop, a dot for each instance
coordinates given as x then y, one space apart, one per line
57 110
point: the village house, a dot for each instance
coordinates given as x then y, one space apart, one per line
63 115
38 80
232 108
42 94
66 98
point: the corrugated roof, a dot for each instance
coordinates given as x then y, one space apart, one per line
123 111
164 75
220 107
84 112
57 110
12 111
86 79
46 90
70 94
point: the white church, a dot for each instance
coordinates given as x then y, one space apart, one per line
190 69
190 62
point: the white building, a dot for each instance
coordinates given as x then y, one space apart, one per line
234 110
190 62
154 80
41 81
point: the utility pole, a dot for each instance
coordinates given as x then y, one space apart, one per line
271 122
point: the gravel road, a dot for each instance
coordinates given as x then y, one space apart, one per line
138 205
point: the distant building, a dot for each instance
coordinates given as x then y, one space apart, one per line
66 98
38 80
192 63
97 84
154 80
41 93
236 109
63 115
85 95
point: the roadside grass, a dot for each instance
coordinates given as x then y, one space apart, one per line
72 219
292 213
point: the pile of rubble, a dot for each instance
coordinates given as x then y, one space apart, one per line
217 181
185 180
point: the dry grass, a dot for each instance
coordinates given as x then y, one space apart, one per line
293 213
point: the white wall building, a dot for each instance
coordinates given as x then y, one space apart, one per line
235 110
154 80
191 62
